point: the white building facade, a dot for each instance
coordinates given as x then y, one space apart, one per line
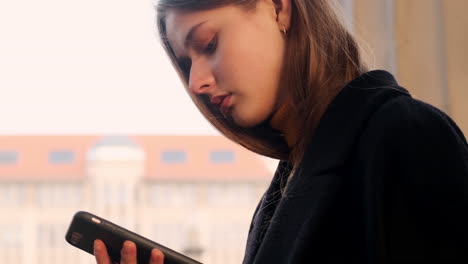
206 218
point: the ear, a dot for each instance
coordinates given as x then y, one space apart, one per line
283 13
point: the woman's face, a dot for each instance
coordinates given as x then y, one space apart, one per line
234 56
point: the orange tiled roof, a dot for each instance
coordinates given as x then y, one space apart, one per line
33 155
246 165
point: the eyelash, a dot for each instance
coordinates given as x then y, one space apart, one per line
186 64
211 46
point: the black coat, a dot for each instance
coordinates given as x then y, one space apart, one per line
384 180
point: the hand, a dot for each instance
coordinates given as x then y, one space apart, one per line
127 255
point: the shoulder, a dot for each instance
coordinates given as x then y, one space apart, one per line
414 138
406 118
411 164
375 118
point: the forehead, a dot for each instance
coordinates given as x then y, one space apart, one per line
179 23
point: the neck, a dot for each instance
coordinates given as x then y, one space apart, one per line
283 122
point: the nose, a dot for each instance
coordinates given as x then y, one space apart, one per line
201 80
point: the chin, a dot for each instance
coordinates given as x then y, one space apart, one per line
247 121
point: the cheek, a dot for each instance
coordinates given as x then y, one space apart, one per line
251 69
240 62
250 79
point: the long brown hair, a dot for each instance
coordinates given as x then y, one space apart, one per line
321 57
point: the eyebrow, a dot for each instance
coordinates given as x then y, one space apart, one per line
189 36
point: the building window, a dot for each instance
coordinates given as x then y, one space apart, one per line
222 156
172 235
174 157
10 236
50 235
8 157
231 194
59 195
175 194
61 157
11 194
114 194
223 237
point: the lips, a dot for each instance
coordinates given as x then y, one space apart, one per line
226 104
218 99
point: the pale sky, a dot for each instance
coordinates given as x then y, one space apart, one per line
87 67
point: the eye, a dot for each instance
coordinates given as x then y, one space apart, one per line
211 46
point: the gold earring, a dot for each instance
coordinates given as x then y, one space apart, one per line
284 30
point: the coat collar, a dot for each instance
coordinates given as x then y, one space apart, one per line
310 191
345 118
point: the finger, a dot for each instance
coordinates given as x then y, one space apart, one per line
128 253
100 252
157 257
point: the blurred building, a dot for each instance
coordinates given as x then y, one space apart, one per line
423 43
197 194
194 194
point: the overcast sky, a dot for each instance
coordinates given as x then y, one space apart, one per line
87 67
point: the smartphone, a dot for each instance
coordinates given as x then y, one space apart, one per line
86 227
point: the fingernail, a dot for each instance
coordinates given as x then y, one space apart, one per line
155 255
126 247
97 246
153 258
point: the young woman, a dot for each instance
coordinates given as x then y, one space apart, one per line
367 173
